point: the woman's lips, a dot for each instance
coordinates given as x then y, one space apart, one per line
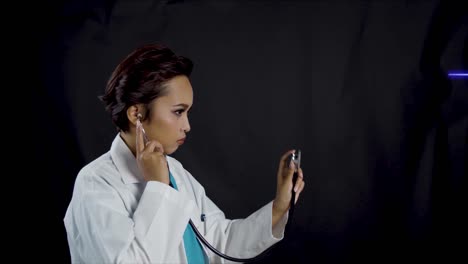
181 141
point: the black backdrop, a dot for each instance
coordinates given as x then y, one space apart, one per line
360 86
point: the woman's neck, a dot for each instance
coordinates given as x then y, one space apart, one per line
129 139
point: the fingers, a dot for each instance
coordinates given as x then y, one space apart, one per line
299 184
286 171
149 146
154 146
300 178
298 193
140 145
285 157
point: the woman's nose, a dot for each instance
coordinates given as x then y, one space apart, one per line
186 127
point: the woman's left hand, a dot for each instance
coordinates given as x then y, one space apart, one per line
284 186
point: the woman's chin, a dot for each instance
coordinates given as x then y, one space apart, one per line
169 151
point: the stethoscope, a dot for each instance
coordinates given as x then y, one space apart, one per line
296 159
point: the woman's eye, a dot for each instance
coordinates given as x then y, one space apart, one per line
179 112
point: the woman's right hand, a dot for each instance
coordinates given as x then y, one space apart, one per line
150 158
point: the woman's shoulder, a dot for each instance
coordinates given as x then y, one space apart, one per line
96 170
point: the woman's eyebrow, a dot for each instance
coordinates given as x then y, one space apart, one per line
184 105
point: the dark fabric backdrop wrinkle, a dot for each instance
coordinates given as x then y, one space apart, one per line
360 87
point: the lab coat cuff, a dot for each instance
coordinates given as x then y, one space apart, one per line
277 231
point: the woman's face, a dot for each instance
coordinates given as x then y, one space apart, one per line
169 122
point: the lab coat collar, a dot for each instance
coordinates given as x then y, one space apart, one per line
125 161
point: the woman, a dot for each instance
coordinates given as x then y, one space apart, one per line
133 204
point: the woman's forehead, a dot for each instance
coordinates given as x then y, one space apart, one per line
178 91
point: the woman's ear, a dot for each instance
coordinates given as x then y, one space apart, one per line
133 112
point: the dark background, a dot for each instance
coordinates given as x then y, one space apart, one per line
361 87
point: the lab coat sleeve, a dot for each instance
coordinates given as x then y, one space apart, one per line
241 238
108 234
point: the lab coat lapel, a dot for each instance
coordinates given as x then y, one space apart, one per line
195 214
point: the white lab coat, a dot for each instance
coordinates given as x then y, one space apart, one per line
117 217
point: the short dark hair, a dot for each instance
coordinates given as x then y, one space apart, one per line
140 78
